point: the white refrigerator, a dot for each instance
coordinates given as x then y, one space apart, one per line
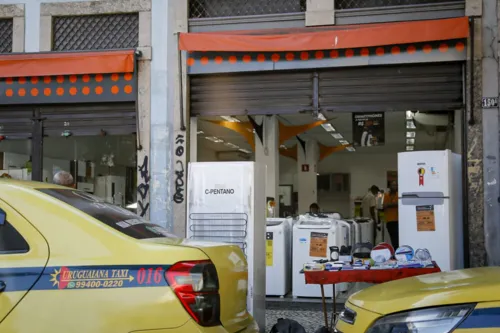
430 205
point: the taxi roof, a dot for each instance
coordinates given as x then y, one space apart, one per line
28 184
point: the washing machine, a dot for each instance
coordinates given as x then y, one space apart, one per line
312 238
364 229
278 256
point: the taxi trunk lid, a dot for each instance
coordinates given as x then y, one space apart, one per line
232 271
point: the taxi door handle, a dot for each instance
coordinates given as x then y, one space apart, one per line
2 286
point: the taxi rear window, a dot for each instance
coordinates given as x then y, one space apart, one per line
114 216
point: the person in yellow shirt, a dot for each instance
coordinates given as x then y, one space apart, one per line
391 213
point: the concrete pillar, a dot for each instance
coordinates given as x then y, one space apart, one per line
320 12
181 138
163 63
267 153
307 174
474 153
144 120
491 170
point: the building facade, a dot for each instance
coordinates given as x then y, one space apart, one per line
135 76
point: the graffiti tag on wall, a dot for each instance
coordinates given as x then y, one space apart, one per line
179 170
143 188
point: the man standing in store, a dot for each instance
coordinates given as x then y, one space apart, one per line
369 204
391 213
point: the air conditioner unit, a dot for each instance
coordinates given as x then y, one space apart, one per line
232 156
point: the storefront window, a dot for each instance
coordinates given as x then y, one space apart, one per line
101 165
15 159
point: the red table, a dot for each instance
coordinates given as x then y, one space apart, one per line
366 276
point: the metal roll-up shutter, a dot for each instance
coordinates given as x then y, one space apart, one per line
16 124
256 93
392 88
108 119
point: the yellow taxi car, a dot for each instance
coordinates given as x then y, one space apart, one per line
459 301
70 262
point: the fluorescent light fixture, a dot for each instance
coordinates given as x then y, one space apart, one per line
321 116
410 141
410 148
328 127
410 124
344 142
214 139
409 115
351 149
410 134
231 145
231 119
132 206
283 147
317 174
200 132
245 151
337 136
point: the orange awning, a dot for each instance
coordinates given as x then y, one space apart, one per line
326 38
66 63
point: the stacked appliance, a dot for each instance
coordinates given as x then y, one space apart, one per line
364 230
312 239
278 256
430 205
225 204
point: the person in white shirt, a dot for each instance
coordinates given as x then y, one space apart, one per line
369 204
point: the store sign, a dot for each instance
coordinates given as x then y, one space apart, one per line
490 102
368 129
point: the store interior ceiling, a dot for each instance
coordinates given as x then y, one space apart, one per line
427 137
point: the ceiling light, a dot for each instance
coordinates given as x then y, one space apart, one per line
410 141
337 136
214 139
328 127
409 115
231 145
410 124
410 148
283 147
200 132
351 149
317 174
320 116
410 134
245 151
344 142
230 119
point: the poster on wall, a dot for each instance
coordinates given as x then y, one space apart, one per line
368 129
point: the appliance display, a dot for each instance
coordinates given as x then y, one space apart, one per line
364 230
312 239
226 203
278 256
111 188
430 205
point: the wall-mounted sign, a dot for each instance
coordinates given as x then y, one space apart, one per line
368 129
305 167
490 102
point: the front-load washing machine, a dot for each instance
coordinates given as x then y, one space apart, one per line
278 256
312 239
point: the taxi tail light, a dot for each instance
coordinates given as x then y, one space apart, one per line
196 285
